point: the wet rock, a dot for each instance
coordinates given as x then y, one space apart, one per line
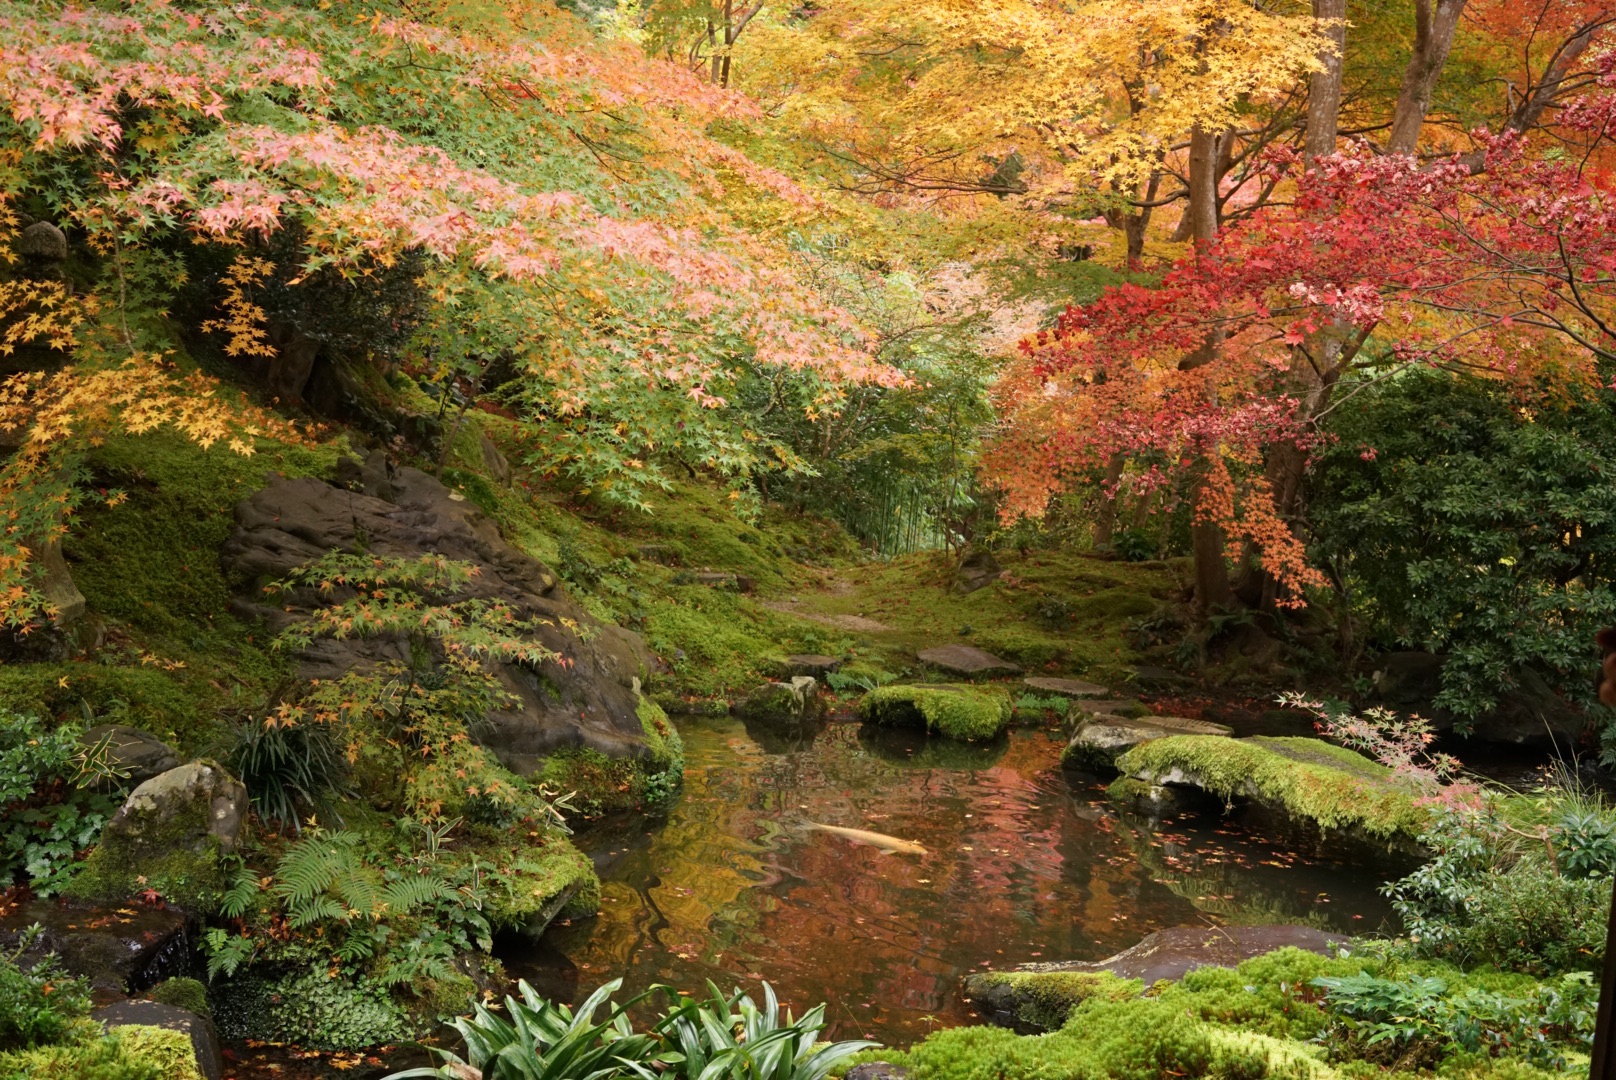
783 702
1066 688
977 569
589 702
811 664
120 950
199 1029
877 1070
967 660
1102 737
1041 996
136 754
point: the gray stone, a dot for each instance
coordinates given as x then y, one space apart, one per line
1066 688
811 664
136 755
204 1040
120 950
494 461
1023 1000
1100 740
977 569
589 701
42 242
1160 678
723 579
197 807
967 660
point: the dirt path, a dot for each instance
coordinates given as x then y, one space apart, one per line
856 623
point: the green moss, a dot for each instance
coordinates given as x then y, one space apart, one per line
142 697
170 1052
1306 778
1042 1000
955 710
716 642
538 881
187 994
108 1058
1026 647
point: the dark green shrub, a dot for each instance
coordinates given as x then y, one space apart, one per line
1468 522
286 769
39 1004
46 817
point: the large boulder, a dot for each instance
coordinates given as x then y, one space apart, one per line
977 569
783 702
168 837
199 1029
587 699
1039 997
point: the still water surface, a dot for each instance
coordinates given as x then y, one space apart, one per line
1024 862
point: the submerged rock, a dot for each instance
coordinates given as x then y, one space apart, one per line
1039 997
589 701
957 711
967 660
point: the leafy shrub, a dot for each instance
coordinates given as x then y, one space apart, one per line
48 814
695 1040
1471 526
1416 1020
285 769
38 1004
1134 545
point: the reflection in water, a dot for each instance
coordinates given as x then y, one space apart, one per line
1023 863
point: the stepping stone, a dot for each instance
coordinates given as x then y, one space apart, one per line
966 660
1067 688
811 664
1102 739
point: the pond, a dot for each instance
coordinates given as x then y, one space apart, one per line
1023 862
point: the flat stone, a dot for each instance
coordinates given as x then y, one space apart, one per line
811 664
877 1070
136 754
1183 725
1102 739
120 950
204 1040
967 660
1067 688
1166 954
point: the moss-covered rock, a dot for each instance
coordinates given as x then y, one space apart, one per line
1041 1001
601 785
783 702
955 710
1305 781
188 994
538 882
169 835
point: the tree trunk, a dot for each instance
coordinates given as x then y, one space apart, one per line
1207 541
1324 87
1433 37
1105 525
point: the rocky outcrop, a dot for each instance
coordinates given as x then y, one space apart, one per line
1039 997
119 949
587 700
977 570
967 661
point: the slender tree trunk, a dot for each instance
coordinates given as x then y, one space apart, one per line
1434 24
1105 524
1324 87
1207 541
